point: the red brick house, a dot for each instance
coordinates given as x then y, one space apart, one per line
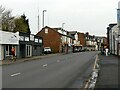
52 38
105 42
81 38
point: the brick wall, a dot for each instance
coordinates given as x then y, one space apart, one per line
81 38
105 41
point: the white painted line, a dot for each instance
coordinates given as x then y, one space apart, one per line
15 74
58 60
95 61
45 65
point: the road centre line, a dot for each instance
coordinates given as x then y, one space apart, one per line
15 74
45 65
58 60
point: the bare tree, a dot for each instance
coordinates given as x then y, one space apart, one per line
7 21
1 12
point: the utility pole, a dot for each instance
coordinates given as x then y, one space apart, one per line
38 19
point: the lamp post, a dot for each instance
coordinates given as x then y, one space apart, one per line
63 26
43 16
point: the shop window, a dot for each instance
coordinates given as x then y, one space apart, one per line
8 50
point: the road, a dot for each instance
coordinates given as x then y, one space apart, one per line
61 71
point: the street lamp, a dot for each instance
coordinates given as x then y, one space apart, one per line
63 26
43 16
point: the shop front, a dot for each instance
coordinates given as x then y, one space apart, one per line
38 46
25 45
29 45
8 40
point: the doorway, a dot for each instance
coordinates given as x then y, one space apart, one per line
22 51
28 50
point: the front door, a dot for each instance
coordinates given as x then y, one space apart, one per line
28 50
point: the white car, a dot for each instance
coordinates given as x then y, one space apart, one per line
47 50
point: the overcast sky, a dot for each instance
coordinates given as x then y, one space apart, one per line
91 16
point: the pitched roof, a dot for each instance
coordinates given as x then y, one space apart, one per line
54 29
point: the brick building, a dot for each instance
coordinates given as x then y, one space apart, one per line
81 38
52 38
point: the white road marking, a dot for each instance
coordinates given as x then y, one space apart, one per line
95 62
58 60
15 74
45 65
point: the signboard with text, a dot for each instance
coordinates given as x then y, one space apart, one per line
9 38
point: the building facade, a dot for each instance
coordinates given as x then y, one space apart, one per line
81 38
113 37
30 45
67 40
7 41
57 40
26 45
118 23
90 42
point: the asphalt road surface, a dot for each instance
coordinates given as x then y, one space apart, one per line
60 71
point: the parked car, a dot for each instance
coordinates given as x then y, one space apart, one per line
82 50
77 49
47 50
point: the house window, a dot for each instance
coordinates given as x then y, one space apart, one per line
21 38
46 30
36 40
40 40
26 38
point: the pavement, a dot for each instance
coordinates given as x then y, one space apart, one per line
9 62
108 75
